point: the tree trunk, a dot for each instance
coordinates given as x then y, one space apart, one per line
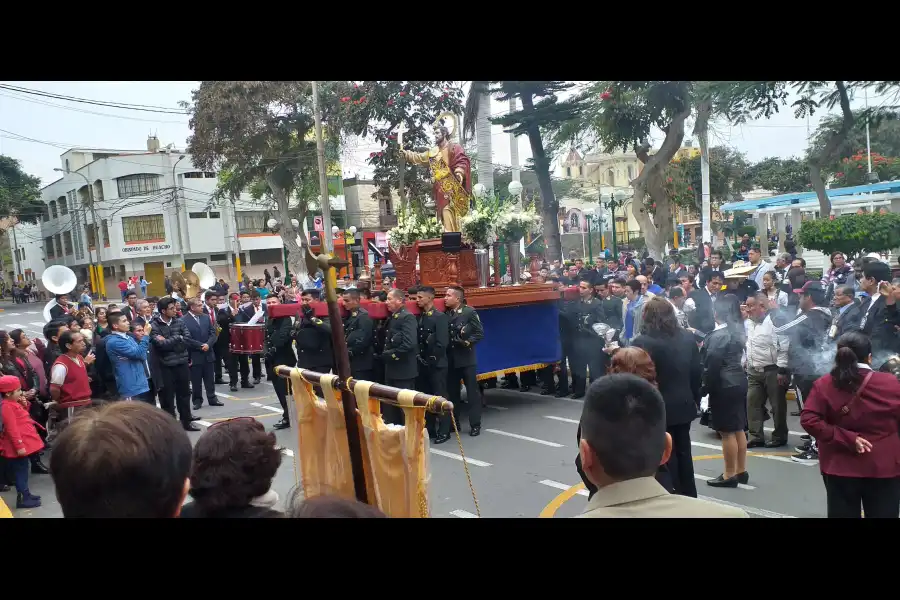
484 160
831 147
649 188
296 252
549 204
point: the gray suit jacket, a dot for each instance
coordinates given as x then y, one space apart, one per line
645 498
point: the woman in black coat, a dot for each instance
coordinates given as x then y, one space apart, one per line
726 383
679 372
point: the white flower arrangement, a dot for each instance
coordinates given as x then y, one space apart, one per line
478 227
512 224
412 227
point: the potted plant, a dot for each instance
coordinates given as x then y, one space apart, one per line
512 225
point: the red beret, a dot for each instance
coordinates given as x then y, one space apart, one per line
8 383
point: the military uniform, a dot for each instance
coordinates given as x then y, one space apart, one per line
434 337
313 337
359 330
378 338
587 346
279 352
465 331
400 358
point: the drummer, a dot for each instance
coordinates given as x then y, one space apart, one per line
249 307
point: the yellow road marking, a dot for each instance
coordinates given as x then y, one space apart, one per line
272 414
247 399
570 493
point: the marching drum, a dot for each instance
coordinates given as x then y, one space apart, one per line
248 339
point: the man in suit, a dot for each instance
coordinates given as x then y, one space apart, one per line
587 346
716 264
623 443
202 327
251 303
129 309
313 336
401 351
846 312
434 337
879 312
279 352
359 331
465 332
699 305
169 343
61 308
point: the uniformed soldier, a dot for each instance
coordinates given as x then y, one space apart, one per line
313 337
359 330
279 352
434 337
465 332
401 351
587 347
611 304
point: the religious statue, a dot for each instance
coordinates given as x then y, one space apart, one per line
451 173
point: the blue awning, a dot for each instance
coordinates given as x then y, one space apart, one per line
785 200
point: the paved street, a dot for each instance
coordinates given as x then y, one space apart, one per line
521 465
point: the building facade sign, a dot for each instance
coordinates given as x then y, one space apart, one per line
145 249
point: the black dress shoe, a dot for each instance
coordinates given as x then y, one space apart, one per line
282 424
720 481
475 431
524 388
247 385
216 403
233 388
743 477
775 443
576 396
190 427
507 386
4 487
220 382
441 438
561 394
194 419
197 405
39 468
256 380
795 413
546 392
755 444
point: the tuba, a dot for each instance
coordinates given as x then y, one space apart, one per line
58 279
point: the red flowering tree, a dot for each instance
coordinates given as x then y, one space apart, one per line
854 170
374 110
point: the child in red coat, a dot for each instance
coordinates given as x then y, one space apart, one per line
19 438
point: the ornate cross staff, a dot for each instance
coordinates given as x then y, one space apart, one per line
401 129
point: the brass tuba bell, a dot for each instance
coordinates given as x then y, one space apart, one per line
191 285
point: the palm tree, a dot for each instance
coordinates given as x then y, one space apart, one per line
476 121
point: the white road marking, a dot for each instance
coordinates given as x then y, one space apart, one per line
783 459
229 396
496 407
471 461
272 408
563 419
287 452
760 512
526 438
797 433
742 486
562 486
32 312
567 399
38 324
463 514
12 315
14 326
203 423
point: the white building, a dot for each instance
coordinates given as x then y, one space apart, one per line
23 252
149 206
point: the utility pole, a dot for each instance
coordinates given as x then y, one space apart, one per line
178 214
323 176
704 178
16 251
514 154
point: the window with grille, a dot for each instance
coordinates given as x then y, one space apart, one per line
141 184
67 243
251 221
45 214
194 175
215 215
104 231
90 234
63 206
218 257
197 215
145 228
58 239
53 213
76 236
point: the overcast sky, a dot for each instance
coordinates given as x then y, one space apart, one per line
59 125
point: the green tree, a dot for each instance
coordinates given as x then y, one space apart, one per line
375 110
727 178
20 193
884 136
854 170
260 132
853 235
542 112
781 175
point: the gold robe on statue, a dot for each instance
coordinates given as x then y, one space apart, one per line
448 164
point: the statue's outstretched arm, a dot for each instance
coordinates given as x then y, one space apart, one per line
415 158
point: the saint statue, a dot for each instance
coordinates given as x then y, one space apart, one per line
451 174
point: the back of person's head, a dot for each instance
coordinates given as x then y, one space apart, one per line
331 507
797 277
877 270
676 291
234 462
122 460
727 310
853 347
634 285
659 317
634 360
623 429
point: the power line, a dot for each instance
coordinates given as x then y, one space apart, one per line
90 112
120 105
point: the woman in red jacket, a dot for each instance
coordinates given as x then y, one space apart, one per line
19 438
854 415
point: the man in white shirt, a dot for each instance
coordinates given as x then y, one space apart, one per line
762 267
766 354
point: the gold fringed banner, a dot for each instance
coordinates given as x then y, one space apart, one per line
517 371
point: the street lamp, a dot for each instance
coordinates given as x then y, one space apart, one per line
616 200
96 274
515 190
588 218
479 191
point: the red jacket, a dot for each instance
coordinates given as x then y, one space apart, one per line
875 417
18 430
